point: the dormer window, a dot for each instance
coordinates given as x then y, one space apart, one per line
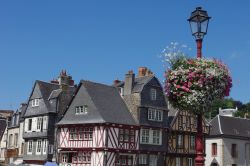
35 102
155 115
81 109
153 94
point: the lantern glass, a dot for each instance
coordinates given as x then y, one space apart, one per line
199 23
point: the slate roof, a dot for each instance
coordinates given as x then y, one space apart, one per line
104 102
3 126
139 83
48 91
230 126
172 114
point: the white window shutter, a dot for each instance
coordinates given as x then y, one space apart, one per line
25 125
45 122
34 124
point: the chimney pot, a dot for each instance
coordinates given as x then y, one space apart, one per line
115 82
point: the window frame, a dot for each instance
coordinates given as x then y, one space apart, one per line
155 115
143 159
214 149
39 147
29 147
153 94
35 102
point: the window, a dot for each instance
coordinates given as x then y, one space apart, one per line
29 124
85 134
81 110
155 115
39 123
73 134
192 142
10 140
149 136
44 146
15 139
35 102
180 141
214 149
144 135
178 161
156 137
126 135
51 148
190 162
152 160
29 150
142 159
153 94
64 158
84 157
125 160
234 150
39 147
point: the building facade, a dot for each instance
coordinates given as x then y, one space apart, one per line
181 139
46 104
228 142
5 116
146 101
15 141
97 129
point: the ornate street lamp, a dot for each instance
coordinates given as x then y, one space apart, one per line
199 23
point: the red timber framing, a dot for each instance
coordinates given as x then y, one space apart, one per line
97 144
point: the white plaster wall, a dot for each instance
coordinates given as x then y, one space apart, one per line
20 139
224 157
12 131
243 156
3 145
209 157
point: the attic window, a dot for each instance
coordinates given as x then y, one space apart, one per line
35 102
153 94
81 109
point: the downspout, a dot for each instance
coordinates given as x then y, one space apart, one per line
246 153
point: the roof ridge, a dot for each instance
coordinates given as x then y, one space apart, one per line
97 83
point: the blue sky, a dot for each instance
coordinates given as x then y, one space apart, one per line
102 40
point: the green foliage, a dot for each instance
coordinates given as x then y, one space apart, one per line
228 103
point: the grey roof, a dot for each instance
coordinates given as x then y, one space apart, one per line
45 91
172 114
230 126
3 126
55 93
139 83
104 104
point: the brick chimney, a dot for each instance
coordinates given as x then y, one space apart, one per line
144 71
129 82
116 82
64 80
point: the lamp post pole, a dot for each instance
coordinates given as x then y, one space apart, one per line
199 23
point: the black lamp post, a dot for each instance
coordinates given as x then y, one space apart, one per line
199 23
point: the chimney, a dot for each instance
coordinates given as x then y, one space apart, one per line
115 82
144 71
64 80
129 82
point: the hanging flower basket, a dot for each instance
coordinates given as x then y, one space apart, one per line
193 84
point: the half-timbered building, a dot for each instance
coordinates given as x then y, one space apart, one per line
146 101
47 102
97 129
181 138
